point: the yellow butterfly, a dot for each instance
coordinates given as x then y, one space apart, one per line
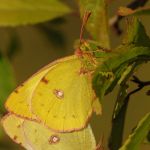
13 127
60 96
34 136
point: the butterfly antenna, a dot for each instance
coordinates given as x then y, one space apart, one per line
84 22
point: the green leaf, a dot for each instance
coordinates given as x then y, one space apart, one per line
135 47
123 55
97 24
120 100
136 34
120 109
118 121
22 12
138 135
135 38
7 81
124 11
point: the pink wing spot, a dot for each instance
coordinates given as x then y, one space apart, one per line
54 139
59 93
44 80
15 137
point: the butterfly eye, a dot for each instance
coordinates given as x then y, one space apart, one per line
59 93
54 139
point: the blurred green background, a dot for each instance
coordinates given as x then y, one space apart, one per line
32 47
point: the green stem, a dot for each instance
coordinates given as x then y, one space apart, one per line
116 137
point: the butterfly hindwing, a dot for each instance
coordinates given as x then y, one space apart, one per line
41 138
35 136
13 127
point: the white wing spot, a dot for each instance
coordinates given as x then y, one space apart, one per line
54 139
59 93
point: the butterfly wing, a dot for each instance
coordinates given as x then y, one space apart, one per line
13 127
19 100
41 138
64 101
35 136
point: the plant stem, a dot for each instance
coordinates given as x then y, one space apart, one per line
116 137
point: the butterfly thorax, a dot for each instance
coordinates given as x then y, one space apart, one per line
90 54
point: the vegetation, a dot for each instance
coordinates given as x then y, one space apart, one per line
102 68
